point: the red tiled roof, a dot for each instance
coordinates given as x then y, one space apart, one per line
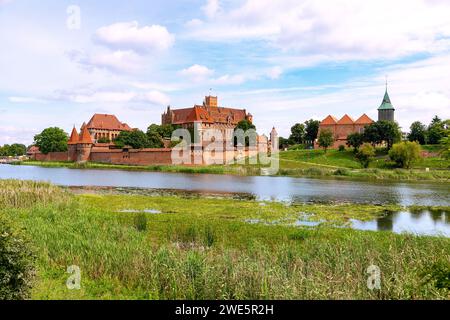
364 119
108 122
346 119
208 114
74 137
85 137
329 120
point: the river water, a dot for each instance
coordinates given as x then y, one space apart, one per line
263 187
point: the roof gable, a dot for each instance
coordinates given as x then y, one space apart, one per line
364 119
346 119
329 120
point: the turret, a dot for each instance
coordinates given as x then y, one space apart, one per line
72 145
274 140
84 145
386 109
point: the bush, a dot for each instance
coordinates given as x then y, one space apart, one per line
140 221
404 154
341 148
16 263
341 172
365 154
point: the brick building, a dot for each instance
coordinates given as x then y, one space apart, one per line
208 116
343 127
105 126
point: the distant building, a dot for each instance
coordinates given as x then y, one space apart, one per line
386 109
343 127
208 115
105 126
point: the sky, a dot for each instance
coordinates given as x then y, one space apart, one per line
284 61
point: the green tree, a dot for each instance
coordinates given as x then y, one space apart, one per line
51 140
245 125
355 140
311 131
365 154
283 142
404 154
164 131
372 134
382 131
435 131
417 132
326 139
297 133
389 132
136 139
445 143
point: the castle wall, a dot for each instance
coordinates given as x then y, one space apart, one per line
52 156
132 157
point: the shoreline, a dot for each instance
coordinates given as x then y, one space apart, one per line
313 171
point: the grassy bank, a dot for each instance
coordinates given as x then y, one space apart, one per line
300 163
203 249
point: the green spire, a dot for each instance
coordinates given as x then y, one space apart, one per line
386 104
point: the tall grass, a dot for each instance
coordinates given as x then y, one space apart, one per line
24 194
192 253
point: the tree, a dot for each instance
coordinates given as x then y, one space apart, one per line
297 133
326 139
136 139
389 132
164 131
355 140
382 131
283 142
436 131
445 143
365 154
311 131
417 132
372 134
245 125
51 140
404 154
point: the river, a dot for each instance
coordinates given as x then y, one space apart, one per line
263 187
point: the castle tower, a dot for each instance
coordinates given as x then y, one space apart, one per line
72 145
84 145
386 109
274 140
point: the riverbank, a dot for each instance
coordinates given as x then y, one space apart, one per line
172 247
300 163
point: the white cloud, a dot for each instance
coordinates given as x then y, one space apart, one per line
128 35
197 72
211 8
274 72
26 100
230 79
156 98
338 29
117 61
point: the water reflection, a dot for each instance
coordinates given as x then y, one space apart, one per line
423 222
301 190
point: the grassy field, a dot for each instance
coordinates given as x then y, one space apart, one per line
197 248
303 163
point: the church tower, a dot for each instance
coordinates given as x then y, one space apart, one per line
386 109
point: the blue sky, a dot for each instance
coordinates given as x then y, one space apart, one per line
284 61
